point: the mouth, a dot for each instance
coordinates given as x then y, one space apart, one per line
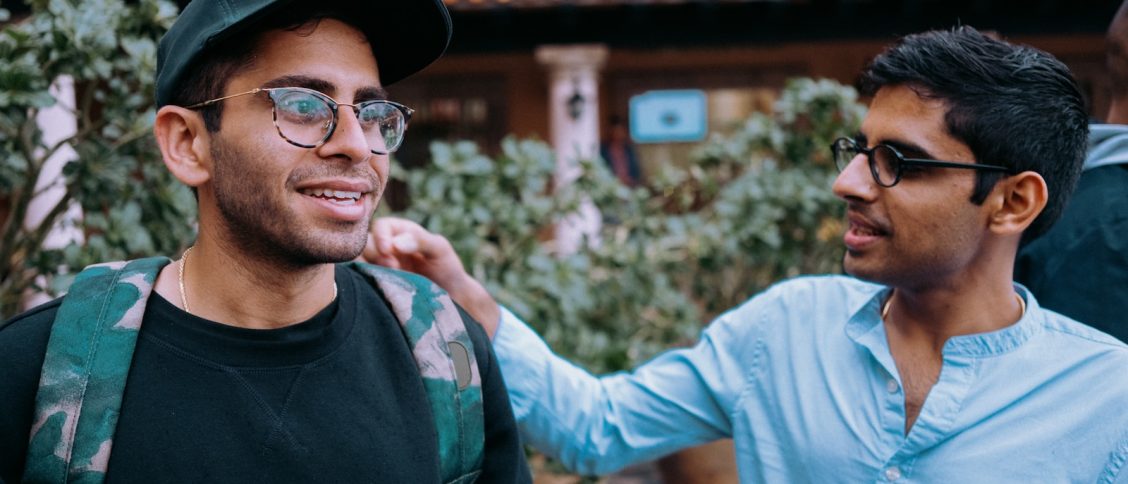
861 233
344 201
865 231
337 197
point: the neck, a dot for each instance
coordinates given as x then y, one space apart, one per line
977 297
930 317
237 289
1118 111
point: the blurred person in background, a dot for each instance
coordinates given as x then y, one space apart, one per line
1080 267
619 152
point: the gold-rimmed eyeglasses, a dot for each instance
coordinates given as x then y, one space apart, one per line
307 118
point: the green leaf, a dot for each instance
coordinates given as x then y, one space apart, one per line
130 209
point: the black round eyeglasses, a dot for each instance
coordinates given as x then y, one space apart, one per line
887 164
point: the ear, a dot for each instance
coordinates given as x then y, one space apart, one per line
1016 201
184 143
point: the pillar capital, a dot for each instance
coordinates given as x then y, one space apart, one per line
564 60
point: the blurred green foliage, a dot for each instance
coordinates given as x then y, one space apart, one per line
132 206
755 206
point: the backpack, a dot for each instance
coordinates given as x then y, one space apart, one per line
95 333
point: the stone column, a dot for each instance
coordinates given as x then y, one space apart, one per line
574 123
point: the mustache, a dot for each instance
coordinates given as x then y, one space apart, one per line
865 216
355 172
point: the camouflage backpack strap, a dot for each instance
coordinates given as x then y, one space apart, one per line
445 356
85 369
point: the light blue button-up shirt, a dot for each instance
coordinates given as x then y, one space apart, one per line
801 377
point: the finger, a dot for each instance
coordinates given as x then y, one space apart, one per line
387 261
382 230
432 246
406 243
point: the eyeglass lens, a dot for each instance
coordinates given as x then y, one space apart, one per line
883 162
306 119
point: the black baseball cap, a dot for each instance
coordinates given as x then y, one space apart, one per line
405 35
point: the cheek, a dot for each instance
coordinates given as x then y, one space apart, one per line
942 228
920 225
382 166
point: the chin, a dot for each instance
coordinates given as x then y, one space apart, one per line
330 249
858 271
341 253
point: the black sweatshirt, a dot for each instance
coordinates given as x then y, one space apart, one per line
337 398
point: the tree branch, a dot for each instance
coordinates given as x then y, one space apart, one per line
129 138
39 234
21 195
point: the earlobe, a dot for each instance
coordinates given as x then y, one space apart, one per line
1022 198
183 141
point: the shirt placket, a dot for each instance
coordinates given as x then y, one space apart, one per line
936 420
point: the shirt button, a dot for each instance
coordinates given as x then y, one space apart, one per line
892 473
892 386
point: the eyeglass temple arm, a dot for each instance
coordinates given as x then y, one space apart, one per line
951 164
218 99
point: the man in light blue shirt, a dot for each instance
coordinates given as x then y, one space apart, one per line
938 369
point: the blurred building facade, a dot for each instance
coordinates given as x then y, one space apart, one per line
560 69
535 68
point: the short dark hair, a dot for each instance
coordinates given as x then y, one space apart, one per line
216 66
1012 105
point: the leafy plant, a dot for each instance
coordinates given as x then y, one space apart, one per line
499 214
131 205
754 207
770 213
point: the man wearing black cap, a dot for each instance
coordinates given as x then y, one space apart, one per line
256 356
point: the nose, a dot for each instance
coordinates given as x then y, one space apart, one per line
855 182
348 139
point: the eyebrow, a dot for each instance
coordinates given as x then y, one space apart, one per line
307 82
906 148
367 93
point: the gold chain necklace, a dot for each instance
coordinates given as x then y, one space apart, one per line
183 296
180 279
1021 305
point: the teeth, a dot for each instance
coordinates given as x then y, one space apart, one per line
338 194
864 231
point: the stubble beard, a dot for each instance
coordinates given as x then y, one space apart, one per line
257 222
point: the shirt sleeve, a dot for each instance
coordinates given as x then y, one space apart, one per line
503 459
596 425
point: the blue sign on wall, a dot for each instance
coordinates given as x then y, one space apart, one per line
668 116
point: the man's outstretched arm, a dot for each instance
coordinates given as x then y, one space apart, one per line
592 425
